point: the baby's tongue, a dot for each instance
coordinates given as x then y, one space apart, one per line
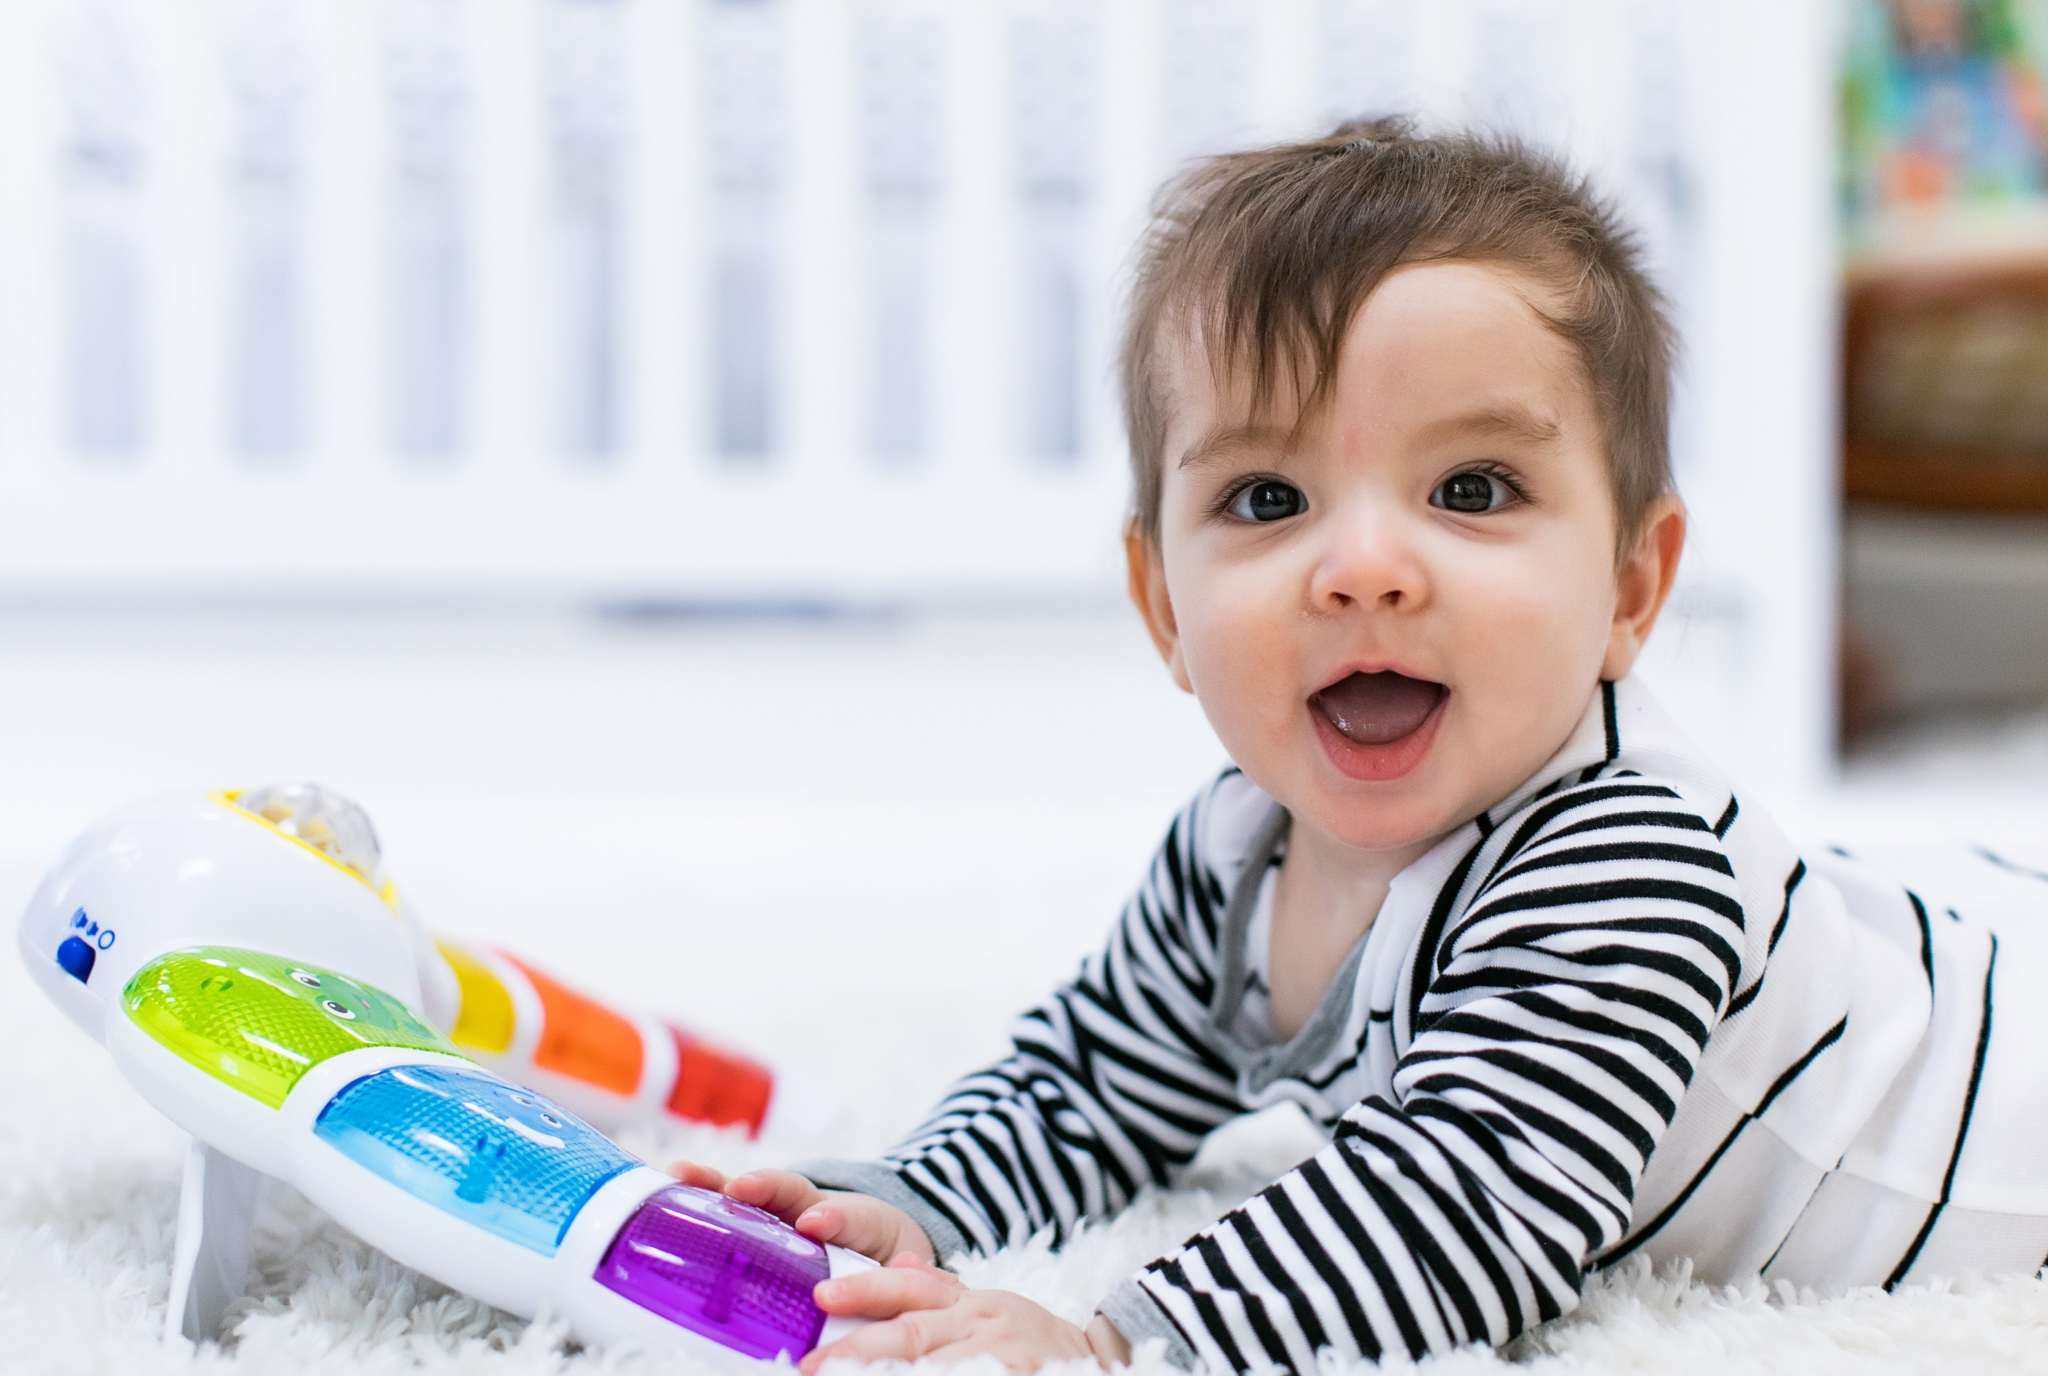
1373 709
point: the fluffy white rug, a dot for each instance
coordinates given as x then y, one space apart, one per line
88 1191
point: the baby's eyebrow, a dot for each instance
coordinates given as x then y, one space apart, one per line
1224 438
1506 419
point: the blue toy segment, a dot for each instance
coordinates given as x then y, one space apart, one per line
76 956
721 1268
488 1152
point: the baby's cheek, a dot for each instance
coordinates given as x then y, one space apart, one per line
1527 622
1241 678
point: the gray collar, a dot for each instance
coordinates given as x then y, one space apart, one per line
1307 1048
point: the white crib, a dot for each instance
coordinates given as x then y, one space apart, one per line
797 298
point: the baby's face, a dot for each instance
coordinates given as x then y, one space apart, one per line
1365 545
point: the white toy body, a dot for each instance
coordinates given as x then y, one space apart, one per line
266 991
187 869
231 868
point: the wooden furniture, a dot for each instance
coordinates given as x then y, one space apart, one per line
1945 381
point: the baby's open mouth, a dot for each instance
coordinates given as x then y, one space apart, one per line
1374 709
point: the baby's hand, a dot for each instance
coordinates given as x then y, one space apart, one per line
858 1222
924 1312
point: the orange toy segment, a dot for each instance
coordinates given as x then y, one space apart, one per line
483 1016
718 1086
581 1038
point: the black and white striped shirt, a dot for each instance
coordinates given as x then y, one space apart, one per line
1616 1012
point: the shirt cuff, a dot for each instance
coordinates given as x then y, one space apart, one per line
1139 1318
881 1180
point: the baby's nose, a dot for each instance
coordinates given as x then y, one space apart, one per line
1369 563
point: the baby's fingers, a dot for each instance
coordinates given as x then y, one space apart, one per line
888 1291
692 1173
863 1225
904 1339
782 1193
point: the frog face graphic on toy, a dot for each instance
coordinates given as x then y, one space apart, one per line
258 1022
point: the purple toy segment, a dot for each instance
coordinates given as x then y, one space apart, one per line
720 1268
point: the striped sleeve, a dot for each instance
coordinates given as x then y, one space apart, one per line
1108 1084
1558 1016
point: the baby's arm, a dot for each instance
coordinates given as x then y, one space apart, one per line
1107 1086
1562 1017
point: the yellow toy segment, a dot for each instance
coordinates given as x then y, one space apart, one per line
484 1017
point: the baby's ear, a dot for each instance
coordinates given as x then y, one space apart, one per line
1146 581
1643 584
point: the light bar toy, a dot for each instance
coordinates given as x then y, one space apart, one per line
250 970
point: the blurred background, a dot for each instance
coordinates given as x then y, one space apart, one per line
661 455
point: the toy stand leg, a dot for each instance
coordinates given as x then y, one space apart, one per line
216 1210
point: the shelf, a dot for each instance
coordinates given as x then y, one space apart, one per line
1946 482
1914 240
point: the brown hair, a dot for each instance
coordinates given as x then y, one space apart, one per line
1278 246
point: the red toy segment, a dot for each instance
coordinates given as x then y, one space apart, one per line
581 1038
717 1086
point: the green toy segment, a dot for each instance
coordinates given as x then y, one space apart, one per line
258 1022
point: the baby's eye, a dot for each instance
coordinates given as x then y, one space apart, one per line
1469 491
1264 501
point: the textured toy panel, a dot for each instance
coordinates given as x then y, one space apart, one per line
717 1086
581 1038
258 1021
484 1017
472 1145
721 1268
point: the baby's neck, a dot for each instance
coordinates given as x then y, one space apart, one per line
1325 898
1335 888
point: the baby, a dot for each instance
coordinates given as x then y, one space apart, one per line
1466 895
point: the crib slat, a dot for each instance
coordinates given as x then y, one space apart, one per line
346 241
665 336
185 244
819 331
973 405
30 301
512 418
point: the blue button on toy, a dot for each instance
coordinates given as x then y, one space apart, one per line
76 958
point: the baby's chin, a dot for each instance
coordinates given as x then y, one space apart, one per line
1397 830
1395 820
